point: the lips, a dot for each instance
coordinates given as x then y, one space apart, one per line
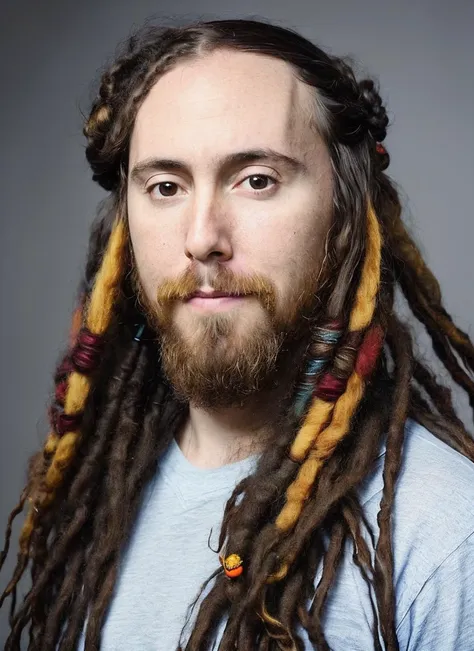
212 295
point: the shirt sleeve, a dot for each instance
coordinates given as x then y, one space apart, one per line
441 617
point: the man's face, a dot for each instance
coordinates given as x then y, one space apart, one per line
203 219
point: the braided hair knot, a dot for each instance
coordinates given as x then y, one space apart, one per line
376 114
376 119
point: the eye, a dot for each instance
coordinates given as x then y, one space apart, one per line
259 182
163 189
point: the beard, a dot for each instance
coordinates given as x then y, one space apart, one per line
222 359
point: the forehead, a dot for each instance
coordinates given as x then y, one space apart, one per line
222 102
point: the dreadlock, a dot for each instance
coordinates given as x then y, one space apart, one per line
113 413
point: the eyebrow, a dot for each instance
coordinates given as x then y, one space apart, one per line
228 162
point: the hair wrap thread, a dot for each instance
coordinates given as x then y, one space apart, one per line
314 368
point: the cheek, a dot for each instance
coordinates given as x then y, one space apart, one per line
293 241
154 251
293 253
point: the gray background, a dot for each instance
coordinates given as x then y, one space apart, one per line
51 51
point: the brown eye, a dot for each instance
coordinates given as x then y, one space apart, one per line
258 181
261 184
166 189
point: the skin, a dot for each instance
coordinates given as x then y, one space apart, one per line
210 215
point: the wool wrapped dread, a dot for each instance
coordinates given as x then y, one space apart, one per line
73 388
313 442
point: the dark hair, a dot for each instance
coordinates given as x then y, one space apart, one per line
87 483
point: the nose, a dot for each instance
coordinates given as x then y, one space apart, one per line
208 231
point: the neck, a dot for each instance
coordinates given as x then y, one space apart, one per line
213 438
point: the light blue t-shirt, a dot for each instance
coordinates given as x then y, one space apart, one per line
168 557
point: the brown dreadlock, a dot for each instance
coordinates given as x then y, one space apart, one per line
111 398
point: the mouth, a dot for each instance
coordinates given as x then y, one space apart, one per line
214 301
214 295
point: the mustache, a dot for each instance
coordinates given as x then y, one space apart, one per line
223 280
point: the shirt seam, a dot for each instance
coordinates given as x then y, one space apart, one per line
431 576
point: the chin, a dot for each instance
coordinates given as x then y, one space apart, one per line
237 322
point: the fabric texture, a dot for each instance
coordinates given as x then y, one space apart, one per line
168 557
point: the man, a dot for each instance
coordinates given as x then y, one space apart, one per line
245 452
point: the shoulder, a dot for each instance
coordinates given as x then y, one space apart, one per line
440 614
435 485
433 511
